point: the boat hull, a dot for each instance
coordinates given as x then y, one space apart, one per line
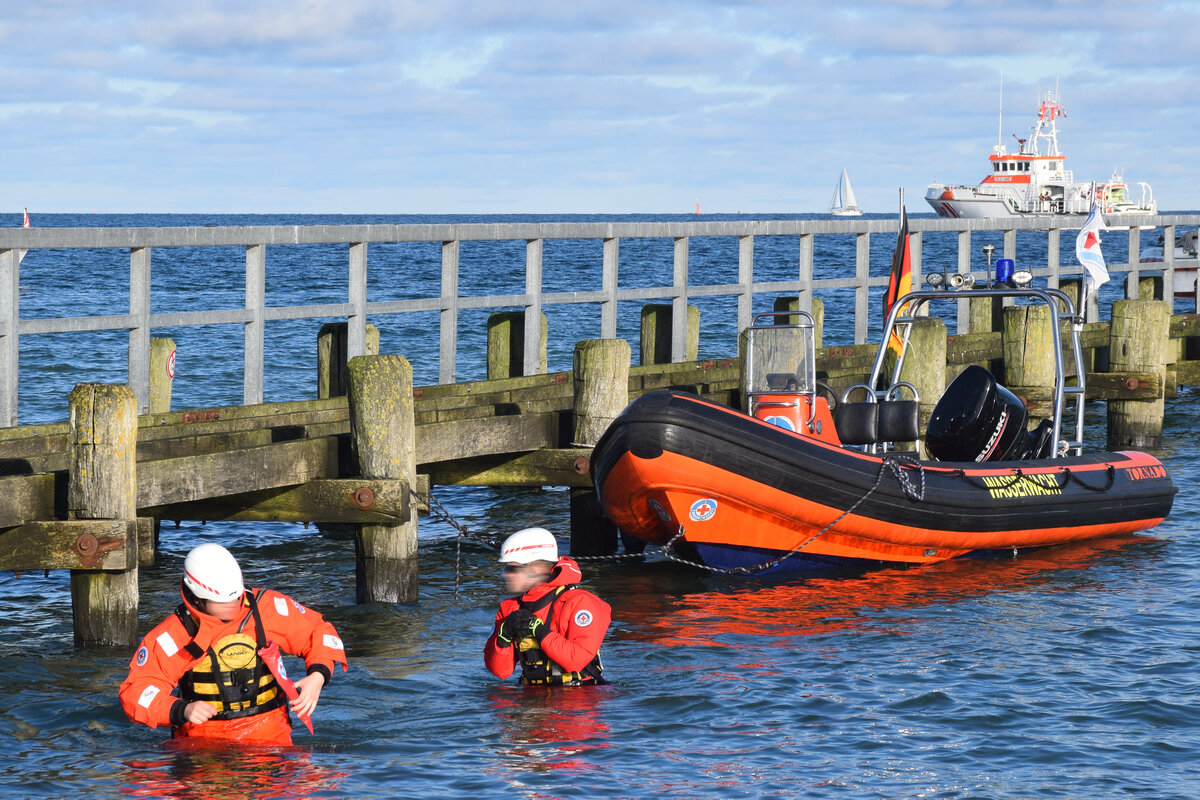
737 492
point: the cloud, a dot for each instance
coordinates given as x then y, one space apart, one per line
589 106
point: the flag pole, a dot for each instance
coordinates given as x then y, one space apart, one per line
1087 284
906 325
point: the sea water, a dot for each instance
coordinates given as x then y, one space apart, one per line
1066 672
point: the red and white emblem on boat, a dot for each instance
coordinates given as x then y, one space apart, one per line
702 510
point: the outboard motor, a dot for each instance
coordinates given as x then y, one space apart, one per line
976 419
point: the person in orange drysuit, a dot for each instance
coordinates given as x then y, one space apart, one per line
208 669
551 627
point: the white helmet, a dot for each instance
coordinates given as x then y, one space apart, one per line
530 544
212 573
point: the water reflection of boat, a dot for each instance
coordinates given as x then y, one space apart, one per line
817 606
789 486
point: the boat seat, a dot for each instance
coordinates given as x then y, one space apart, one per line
857 423
899 421
873 421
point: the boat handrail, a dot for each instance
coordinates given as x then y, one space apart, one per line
912 302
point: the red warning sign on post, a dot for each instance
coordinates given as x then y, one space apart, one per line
171 365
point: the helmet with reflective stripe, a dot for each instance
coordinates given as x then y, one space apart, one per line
530 544
212 573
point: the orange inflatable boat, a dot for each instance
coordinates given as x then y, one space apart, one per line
792 485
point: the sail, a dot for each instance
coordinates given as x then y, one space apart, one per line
847 191
843 203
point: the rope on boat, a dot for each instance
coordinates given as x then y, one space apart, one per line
897 465
1112 475
1018 476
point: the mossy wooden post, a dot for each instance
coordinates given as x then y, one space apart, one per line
1151 288
924 367
1137 343
331 357
383 438
601 374
103 485
656 334
792 304
985 314
162 374
506 345
1028 342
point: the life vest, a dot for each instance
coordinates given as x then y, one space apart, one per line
537 669
232 676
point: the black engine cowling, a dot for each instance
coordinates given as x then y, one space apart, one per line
977 419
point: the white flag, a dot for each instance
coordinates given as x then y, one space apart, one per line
1087 250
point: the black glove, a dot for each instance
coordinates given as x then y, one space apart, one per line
538 629
513 627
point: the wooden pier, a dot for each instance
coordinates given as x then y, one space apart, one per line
89 494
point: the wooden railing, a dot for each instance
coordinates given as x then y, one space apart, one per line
140 321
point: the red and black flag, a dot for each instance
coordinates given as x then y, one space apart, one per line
900 282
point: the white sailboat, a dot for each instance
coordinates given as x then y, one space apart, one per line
844 204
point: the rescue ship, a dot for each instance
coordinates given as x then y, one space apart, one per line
1034 182
806 480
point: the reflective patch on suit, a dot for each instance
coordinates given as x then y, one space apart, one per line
333 642
148 696
167 644
281 607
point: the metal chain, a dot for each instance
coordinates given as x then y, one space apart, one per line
438 510
895 465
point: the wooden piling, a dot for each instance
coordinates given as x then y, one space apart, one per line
1138 343
162 374
383 441
506 345
331 357
102 485
925 366
1028 345
601 379
818 314
656 334
985 314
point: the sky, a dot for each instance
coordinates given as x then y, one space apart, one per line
580 107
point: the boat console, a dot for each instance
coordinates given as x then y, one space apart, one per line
781 375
